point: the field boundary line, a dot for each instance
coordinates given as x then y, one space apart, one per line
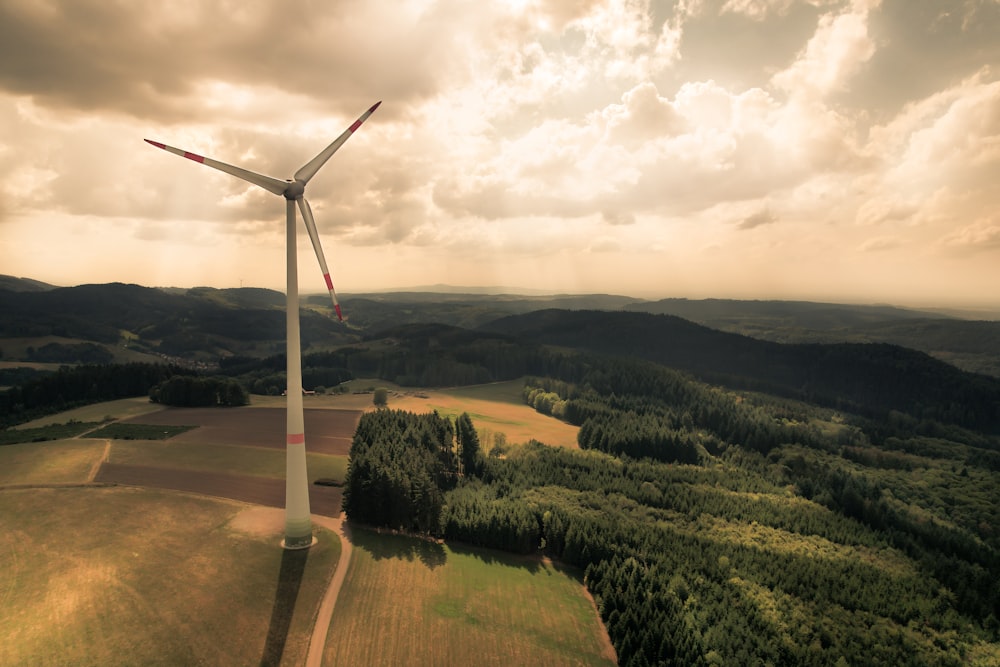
65 485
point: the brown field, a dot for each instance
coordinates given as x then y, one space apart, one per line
327 431
268 491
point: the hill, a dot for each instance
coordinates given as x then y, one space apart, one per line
373 312
869 379
14 284
200 323
970 344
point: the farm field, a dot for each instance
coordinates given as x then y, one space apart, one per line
150 575
98 576
221 458
415 602
327 431
495 408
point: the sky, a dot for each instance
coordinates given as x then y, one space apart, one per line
828 150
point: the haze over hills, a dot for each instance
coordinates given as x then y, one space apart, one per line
204 322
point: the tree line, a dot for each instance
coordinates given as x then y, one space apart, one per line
73 386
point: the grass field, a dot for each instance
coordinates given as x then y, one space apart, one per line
51 462
100 576
408 601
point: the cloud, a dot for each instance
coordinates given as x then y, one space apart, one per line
604 244
759 10
615 218
981 236
836 51
511 131
151 60
761 217
887 209
880 243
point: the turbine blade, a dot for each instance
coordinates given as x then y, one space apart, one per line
310 168
307 217
266 182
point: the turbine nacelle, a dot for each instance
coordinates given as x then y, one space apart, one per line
295 190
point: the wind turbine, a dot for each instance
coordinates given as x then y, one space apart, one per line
298 523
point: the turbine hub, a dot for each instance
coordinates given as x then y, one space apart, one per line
294 190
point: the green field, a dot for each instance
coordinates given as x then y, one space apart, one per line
414 602
101 576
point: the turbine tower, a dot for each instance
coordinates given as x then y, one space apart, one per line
298 523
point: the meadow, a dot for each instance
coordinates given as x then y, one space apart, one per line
417 602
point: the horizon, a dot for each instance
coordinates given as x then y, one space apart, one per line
835 151
984 312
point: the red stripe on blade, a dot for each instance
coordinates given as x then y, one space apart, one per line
296 438
194 156
329 281
155 143
337 308
356 125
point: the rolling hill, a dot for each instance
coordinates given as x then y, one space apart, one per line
970 344
869 379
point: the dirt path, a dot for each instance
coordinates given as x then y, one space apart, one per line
96 468
318 641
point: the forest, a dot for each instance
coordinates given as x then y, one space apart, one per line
715 526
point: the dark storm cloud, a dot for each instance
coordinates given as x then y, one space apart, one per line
147 58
